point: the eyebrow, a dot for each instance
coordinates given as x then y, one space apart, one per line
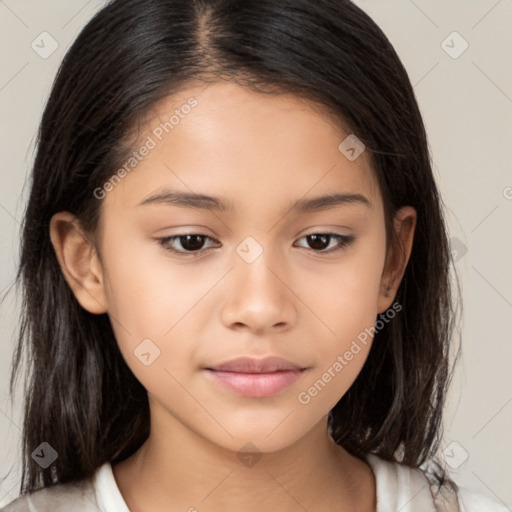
205 202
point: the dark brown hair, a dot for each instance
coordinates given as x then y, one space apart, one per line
81 397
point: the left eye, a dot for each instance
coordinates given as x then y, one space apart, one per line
318 240
194 242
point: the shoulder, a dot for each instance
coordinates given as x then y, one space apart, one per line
401 487
58 498
474 501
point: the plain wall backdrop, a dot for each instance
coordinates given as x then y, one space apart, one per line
459 58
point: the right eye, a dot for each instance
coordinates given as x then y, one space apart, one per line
191 243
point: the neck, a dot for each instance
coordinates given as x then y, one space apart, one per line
185 471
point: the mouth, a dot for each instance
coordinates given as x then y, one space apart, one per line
247 364
256 378
255 385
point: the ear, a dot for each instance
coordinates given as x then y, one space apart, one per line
398 254
79 262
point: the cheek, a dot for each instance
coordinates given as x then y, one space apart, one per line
345 294
150 298
346 302
147 292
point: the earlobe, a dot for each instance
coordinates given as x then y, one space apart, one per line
78 261
404 224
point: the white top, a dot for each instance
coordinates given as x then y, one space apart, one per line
398 487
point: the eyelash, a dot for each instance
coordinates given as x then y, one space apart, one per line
345 241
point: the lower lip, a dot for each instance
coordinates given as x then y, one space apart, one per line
256 385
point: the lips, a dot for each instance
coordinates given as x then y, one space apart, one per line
252 365
255 378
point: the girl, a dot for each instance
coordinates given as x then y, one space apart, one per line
295 356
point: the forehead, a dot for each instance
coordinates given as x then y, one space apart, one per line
227 140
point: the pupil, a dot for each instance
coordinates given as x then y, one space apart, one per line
315 238
197 242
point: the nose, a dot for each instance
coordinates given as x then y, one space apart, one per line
259 298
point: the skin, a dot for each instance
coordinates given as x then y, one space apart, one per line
262 153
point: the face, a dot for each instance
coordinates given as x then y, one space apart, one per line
262 268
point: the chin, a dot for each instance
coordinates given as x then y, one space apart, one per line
254 440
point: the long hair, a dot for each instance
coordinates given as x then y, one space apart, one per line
80 396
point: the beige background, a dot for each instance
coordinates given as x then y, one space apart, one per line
467 106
